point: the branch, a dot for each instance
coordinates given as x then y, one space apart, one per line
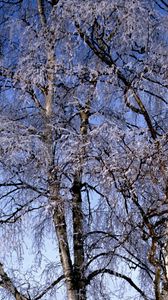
41 12
107 59
19 212
118 238
11 2
104 56
25 185
55 282
7 284
129 105
145 114
36 101
7 73
141 110
53 2
119 275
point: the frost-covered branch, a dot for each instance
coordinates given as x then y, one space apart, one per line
119 275
7 283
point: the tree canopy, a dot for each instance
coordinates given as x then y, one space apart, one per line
84 149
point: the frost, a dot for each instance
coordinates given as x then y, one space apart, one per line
83 127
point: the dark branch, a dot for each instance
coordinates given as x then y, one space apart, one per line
119 275
54 283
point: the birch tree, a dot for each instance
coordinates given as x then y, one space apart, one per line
83 151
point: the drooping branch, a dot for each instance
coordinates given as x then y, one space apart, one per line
104 56
107 59
7 73
116 274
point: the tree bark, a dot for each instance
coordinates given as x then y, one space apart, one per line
7 283
78 244
77 211
53 184
61 232
164 294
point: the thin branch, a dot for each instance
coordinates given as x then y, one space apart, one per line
25 185
119 275
145 114
7 73
11 2
7 283
129 105
55 282
118 238
107 59
151 93
104 56
36 101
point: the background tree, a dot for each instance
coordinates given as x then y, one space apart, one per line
83 153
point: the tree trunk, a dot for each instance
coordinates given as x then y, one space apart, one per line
74 274
61 232
77 211
164 294
53 185
59 218
78 245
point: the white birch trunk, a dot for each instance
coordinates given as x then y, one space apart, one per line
58 214
164 294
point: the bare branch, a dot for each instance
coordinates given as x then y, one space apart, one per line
46 290
116 274
7 283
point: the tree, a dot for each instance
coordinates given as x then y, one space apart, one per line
83 153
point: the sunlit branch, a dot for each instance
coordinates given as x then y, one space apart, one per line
7 73
106 58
